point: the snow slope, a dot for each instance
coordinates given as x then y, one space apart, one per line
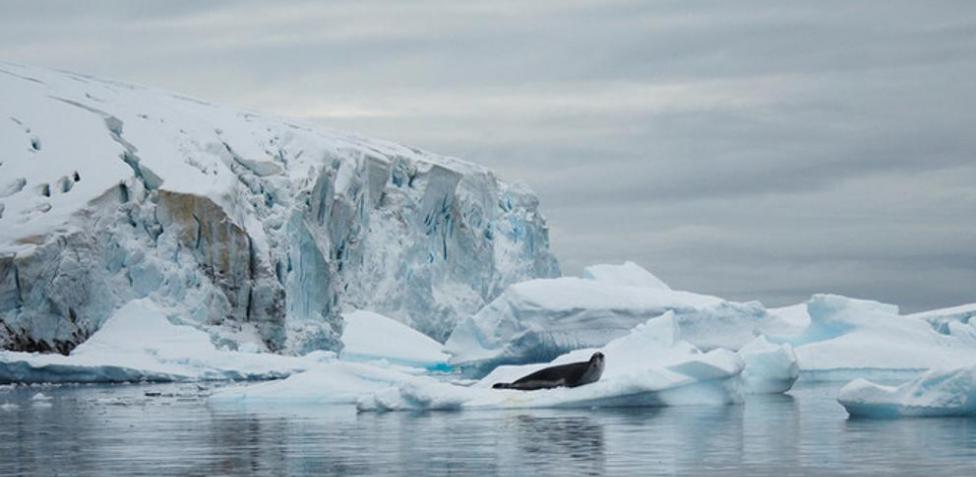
256 229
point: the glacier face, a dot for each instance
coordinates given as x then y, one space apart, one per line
256 229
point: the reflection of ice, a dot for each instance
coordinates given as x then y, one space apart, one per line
559 443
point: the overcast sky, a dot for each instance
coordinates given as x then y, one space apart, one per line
753 150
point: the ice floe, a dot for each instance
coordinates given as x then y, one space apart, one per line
946 392
649 366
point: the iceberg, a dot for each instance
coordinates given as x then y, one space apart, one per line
256 229
946 392
538 320
650 366
139 343
372 337
956 321
770 368
848 338
328 383
628 274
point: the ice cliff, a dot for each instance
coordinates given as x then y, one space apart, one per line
254 229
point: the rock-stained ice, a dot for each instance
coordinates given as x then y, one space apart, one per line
936 393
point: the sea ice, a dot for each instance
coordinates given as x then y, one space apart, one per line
941 392
333 382
649 366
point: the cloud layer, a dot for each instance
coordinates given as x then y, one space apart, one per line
755 150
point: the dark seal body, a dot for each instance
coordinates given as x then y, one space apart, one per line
569 375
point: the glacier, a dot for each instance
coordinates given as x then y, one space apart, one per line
258 230
936 393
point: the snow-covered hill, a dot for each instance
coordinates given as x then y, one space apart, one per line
256 229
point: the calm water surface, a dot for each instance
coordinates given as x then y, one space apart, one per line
169 430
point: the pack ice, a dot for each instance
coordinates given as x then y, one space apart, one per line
257 230
649 366
940 392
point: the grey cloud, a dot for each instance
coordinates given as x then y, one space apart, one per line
754 149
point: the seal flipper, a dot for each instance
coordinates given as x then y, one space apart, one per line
502 386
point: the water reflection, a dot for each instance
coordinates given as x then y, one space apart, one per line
120 431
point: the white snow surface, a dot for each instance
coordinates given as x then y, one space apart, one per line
537 320
259 229
649 366
938 392
373 337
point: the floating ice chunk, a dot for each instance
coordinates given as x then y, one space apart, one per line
649 366
335 382
849 337
935 393
769 368
628 274
139 343
369 336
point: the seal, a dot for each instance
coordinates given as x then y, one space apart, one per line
569 375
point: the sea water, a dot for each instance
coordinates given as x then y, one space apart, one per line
170 430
